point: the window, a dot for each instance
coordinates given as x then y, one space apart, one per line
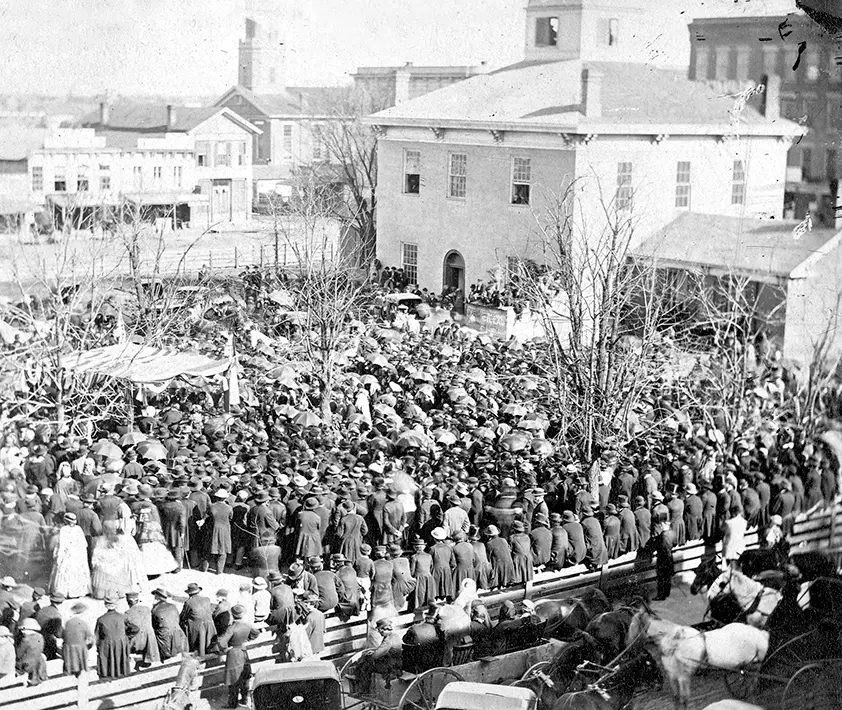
138 176
682 185
458 173
624 186
412 172
60 183
738 183
806 163
104 183
241 153
157 172
223 154
409 262
37 178
286 144
177 175
546 32
830 164
521 180
82 184
613 32
202 153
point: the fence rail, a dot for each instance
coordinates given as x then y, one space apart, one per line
144 689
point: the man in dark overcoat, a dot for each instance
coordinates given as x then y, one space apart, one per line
174 525
196 620
237 664
112 642
171 639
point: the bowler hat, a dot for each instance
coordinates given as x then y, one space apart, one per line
518 526
161 593
568 516
193 588
237 611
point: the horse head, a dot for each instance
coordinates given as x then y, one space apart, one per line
706 573
720 585
638 627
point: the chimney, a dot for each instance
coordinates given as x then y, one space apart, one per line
103 113
170 116
403 77
591 93
772 97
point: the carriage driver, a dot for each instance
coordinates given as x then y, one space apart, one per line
385 660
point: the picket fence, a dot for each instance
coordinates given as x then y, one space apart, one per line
144 689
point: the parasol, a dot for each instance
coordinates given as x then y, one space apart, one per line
530 425
282 298
413 411
412 440
445 437
395 387
371 380
515 410
476 375
131 438
542 447
107 449
384 409
288 411
378 359
151 450
454 394
307 419
282 371
514 442
484 432
421 376
380 442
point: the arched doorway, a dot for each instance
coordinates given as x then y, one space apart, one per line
454 272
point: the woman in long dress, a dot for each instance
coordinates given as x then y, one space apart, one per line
157 559
70 575
116 563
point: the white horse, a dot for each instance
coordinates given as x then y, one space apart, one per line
749 594
684 649
731 704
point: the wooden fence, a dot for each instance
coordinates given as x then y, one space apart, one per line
144 689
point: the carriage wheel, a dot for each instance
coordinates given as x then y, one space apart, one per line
742 683
422 693
532 673
810 689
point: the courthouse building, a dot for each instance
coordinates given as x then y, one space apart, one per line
464 170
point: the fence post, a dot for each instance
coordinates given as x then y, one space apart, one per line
235 257
261 257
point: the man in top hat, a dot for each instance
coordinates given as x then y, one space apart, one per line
394 517
576 547
643 520
692 512
309 542
629 538
142 639
237 664
112 642
174 525
29 652
216 531
281 603
52 625
196 619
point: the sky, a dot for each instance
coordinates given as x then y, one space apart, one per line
189 47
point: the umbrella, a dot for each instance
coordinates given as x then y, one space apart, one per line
530 425
542 447
413 411
288 411
283 371
422 376
448 351
384 409
444 436
173 416
412 439
131 438
476 375
515 410
306 419
380 442
107 449
484 432
514 442
370 380
395 387
378 359
152 450
493 386
454 394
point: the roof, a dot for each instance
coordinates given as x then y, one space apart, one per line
152 118
301 101
461 695
539 94
293 672
760 248
144 364
18 143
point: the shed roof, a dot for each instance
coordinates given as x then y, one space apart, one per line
759 248
549 93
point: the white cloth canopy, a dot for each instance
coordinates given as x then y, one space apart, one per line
144 364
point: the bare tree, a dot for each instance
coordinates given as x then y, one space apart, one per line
327 288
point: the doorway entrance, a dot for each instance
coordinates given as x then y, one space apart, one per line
454 272
221 200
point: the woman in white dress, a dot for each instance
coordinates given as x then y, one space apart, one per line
116 563
71 575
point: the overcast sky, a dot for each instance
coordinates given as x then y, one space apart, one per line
190 46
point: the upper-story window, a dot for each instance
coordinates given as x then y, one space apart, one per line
682 185
458 176
223 153
613 32
59 182
624 185
286 144
546 32
203 154
412 172
738 183
157 172
178 175
521 180
138 176
37 178
241 153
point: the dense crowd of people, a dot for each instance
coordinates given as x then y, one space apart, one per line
440 462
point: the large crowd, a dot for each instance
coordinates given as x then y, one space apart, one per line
440 462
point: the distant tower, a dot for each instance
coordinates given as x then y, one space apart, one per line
591 30
262 53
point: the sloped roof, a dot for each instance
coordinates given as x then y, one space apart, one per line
150 117
744 246
295 101
541 93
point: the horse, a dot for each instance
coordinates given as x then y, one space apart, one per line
724 608
616 689
708 570
566 616
562 670
684 650
731 704
756 601
609 630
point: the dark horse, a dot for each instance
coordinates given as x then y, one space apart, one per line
609 629
565 617
616 689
